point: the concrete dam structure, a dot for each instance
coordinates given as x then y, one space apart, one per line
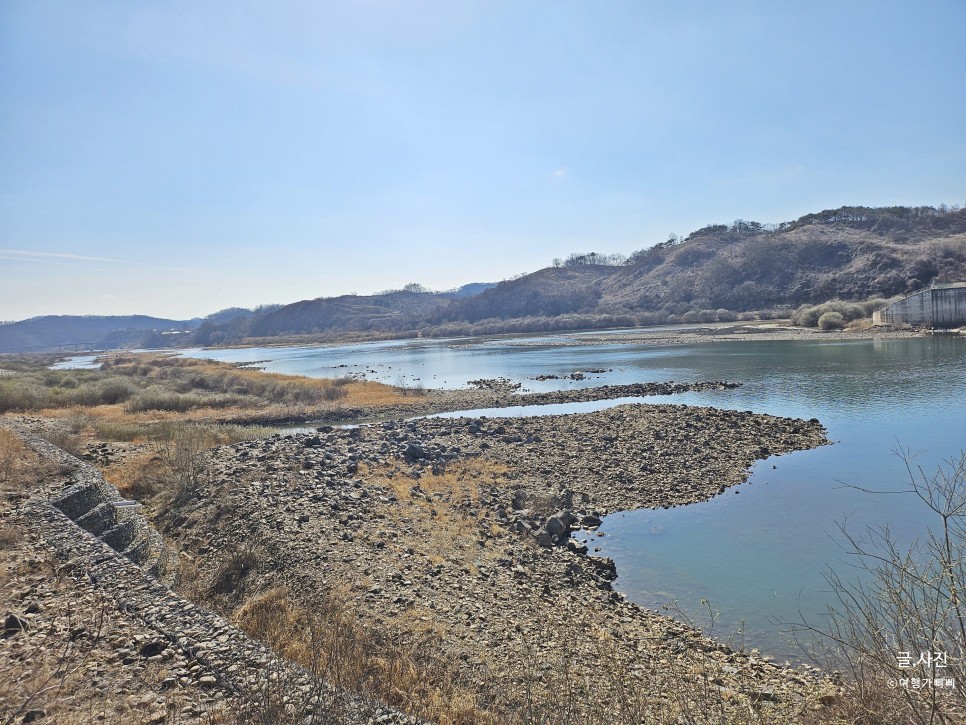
941 305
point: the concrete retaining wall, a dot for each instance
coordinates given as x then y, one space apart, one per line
938 306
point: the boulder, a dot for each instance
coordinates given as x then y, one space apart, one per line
555 526
576 547
544 538
14 624
414 451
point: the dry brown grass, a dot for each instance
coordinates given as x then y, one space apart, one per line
330 640
458 481
148 388
20 468
401 660
137 476
12 454
437 506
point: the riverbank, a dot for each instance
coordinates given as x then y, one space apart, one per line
329 522
453 536
656 335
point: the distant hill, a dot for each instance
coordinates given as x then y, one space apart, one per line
847 253
717 272
547 292
467 290
384 312
48 332
52 332
228 314
394 311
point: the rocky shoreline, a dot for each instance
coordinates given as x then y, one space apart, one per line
462 527
465 540
660 335
488 394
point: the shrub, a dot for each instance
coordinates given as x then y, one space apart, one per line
115 390
160 399
157 399
182 449
809 315
65 440
232 570
870 306
831 321
119 431
18 395
334 392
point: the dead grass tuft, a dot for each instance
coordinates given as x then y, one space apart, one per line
140 476
12 454
330 640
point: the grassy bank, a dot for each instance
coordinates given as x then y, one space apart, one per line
134 390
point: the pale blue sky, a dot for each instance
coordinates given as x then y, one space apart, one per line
175 158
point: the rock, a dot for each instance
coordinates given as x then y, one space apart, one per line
576 547
151 649
555 526
543 538
414 452
14 624
766 694
606 568
560 522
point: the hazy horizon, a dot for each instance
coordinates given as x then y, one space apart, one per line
177 159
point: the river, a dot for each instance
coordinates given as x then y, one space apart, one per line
759 552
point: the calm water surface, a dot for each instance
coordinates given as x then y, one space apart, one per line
759 554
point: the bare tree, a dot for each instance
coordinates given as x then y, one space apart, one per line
898 632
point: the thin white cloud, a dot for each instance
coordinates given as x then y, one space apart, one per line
68 258
41 256
560 173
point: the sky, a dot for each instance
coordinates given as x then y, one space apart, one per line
176 158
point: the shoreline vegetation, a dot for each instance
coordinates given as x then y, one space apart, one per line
444 567
778 327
